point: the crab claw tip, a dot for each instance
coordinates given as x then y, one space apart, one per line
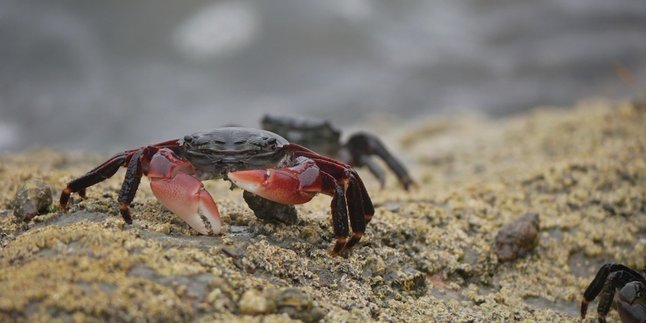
279 185
248 180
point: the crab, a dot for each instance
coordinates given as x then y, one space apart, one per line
257 161
630 299
322 137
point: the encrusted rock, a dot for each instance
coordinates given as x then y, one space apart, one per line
254 302
269 210
290 301
298 305
32 198
517 238
408 280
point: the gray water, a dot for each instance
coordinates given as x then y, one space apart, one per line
106 75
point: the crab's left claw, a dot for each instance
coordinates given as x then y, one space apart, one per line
290 185
173 184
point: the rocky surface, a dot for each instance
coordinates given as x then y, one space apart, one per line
427 254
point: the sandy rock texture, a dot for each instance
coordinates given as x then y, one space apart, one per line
428 254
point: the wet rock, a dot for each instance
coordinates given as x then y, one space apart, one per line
407 280
269 210
254 302
298 305
517 238
32 198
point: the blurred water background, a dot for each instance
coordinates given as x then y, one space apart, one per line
106 75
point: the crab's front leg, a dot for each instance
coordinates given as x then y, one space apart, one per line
173 182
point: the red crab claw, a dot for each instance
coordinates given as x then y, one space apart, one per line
290 185
174 186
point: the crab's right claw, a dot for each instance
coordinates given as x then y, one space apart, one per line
174 186
289 185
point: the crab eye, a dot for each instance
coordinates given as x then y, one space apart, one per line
188 139
267 174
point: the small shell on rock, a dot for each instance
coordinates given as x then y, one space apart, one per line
518 237
32 198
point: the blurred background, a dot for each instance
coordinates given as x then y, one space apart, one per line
106 75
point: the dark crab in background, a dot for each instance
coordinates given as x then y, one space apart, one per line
621 285
322 137
257 161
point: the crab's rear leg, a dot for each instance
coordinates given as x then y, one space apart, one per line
362 145
355 197
133 159
341 177
96 175
175 187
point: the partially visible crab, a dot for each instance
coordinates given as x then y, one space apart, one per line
322 137
630 299
257 161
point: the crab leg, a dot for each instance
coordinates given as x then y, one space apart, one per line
358 201
339 213
341 171
173 183
356 210
130 185
359 205
362 145
96 175
108 168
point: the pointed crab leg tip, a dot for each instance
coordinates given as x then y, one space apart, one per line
584 308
